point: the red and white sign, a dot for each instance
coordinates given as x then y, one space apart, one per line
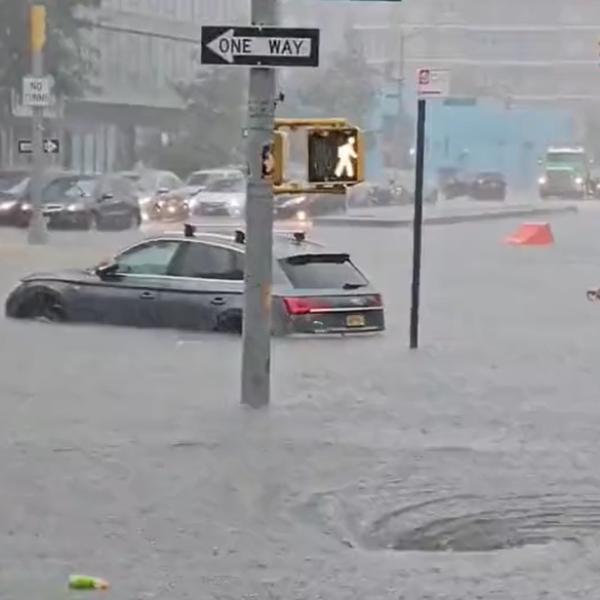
433 83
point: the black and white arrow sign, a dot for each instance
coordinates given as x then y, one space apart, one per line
50 146
262 46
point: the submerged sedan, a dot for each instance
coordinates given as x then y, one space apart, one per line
196 281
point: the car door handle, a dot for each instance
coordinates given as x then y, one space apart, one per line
218 301
148 296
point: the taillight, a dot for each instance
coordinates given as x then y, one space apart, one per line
304 306
375 300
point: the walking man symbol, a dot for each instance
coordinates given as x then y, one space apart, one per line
346 153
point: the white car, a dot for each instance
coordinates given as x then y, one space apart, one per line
223 194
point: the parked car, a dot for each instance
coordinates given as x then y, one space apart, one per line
195 281
456 185
488 185
224 194
74 201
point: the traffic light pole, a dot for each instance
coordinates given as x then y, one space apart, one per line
37 227
256 346
417 226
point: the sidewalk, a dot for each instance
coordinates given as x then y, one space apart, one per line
444 213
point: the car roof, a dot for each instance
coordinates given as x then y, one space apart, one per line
284 244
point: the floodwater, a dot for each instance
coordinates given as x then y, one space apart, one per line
465 470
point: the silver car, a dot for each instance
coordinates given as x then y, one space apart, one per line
195 281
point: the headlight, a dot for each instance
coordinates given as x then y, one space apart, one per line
301 215
26 207
542 180
7 204
145 200
234 203
578 180
75 207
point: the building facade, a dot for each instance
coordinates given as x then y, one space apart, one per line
141 50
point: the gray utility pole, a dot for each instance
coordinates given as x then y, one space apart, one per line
37 227
256 353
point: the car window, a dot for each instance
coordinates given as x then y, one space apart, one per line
72 189
321 271
228 184
169 181
208 261
150 258
9 181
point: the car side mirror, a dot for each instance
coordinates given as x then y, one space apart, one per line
106 270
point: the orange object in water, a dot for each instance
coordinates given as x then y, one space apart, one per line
532 234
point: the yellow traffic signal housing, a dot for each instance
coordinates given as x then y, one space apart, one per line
38 27
336 155
275 158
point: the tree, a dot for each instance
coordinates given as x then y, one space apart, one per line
345 88
67 57
211 135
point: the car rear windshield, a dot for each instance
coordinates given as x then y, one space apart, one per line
322 271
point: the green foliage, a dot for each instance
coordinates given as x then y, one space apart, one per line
67 57
346 87
211 135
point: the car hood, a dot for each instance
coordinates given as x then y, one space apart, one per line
215 197
71 275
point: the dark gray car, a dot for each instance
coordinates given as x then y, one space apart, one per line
195 281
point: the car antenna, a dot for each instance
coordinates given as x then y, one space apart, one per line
189 230
240 237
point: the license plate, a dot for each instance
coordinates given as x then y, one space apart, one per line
355 321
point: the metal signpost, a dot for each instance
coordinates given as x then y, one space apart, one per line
36 94
264 46
436 84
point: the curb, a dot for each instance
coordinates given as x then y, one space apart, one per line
442 219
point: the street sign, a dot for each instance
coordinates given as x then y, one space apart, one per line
260 46
335 156
36 91
433 83
51 146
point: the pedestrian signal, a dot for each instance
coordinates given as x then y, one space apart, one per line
335 155
274 158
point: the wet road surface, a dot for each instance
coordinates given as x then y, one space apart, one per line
465 470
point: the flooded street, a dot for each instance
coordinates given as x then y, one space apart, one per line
467 469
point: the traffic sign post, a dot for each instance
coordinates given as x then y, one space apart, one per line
430 83
263 46
36 90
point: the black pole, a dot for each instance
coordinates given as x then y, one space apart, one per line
417 227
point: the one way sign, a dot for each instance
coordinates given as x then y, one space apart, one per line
262 46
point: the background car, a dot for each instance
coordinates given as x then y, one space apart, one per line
151 183
223 194
197 282
171 206
488 185
456 185
74 201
